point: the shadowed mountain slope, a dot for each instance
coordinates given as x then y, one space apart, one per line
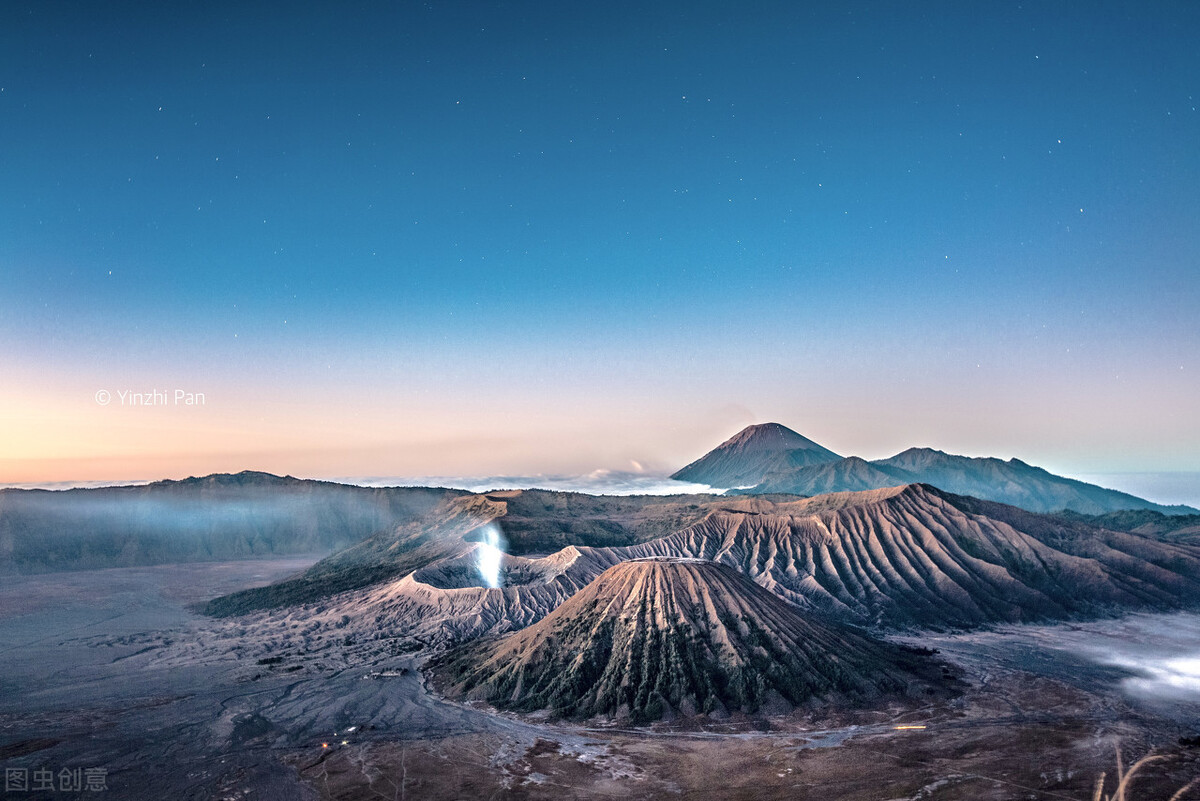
851 474
538 521
753 453
654 638
1172 528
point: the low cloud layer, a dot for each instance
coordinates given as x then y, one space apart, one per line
598 482
1160 652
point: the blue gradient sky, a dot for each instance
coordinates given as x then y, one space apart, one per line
398 238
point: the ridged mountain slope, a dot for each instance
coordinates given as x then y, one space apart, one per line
654 638
915 557
905 558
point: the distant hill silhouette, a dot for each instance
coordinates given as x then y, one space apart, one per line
216 517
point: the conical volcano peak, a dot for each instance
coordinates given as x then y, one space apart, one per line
752 454
773 436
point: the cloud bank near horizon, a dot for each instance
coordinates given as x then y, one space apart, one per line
1162 487
597 482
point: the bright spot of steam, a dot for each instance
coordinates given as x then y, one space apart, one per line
1179 677
1184 673
1160 651
490 554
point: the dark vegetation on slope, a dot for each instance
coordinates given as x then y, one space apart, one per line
540 521
1176 528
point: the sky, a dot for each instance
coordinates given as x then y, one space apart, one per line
391 238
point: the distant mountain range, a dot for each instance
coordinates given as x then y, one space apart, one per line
771 458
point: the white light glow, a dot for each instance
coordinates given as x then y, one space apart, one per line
1168 677
490 554
1162 652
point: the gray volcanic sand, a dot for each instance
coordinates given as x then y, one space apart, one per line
1041 722
73 671
109 669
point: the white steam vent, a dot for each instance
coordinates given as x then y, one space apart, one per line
490 554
